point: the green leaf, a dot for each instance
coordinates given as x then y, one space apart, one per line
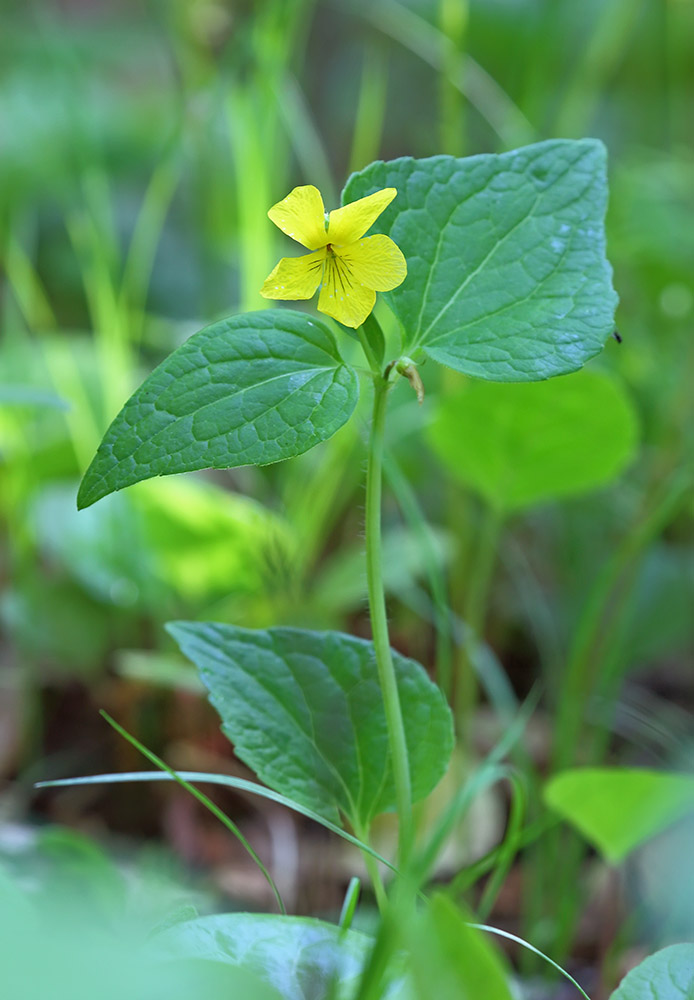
518 445
667 975
300 957
451 960
249 390
304 711
189 540
617 810
507 277
88 952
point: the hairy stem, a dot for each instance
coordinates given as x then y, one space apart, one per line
379 622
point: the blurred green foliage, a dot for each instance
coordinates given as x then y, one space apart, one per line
141 147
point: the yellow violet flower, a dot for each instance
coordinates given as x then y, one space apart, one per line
350 267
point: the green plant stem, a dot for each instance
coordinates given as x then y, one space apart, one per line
375 878
379 622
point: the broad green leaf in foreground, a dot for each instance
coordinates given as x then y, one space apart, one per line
249 390
65 944
507 277
667 975
299 956
304 711
617 810
518 445
451 960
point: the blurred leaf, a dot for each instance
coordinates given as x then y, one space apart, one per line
652 194
518 445
208 540
617 810
451 960
660 620
298 956
188 538
507 277
90 547
305 712
64 949
249 390
26 395
667 975
342 583
54 620
153 667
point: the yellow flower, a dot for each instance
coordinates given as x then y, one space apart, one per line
350 267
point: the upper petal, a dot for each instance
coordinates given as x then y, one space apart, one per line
349 223
375 262
295 277
341 297
301 215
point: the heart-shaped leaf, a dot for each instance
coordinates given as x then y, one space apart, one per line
304 711
518 445
507 277
249 390
619 809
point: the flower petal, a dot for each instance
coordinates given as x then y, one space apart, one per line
341 297
301 215
349 223
375 262
295 277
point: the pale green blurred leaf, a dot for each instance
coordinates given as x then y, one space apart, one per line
617 809
57 944
342 583
186 538
450 960
518 445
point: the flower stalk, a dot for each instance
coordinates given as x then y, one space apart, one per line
379 620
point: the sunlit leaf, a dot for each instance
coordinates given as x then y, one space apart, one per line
451 960
617 810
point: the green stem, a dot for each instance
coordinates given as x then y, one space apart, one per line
374 876
379 622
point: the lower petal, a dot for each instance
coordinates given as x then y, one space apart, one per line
375 262
295 277
341 297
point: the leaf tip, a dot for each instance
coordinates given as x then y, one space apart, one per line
86 493
176 629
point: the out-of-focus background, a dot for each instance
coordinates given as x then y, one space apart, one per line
141 145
